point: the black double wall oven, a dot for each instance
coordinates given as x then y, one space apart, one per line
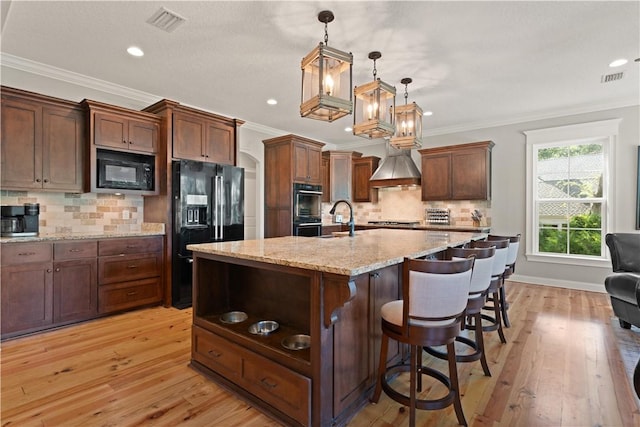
307 210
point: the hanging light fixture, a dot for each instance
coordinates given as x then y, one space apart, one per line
326 80
374 104
408 119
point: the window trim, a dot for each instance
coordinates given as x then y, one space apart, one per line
603 129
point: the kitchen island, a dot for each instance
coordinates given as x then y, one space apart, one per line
327 289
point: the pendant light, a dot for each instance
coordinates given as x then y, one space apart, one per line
408 119
326 80
374 104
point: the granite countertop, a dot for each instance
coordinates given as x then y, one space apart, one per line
146 229
368 250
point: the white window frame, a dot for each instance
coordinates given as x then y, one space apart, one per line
606 130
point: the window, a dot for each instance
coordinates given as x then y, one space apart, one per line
568 192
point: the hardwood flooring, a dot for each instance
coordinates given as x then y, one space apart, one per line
560 367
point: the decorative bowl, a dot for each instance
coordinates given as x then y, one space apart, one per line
233 317
264 327
297 342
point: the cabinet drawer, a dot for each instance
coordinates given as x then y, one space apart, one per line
217 354
23 253
74 250
124 268
129 246
121 296
286 390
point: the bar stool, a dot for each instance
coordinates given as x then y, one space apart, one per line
493 293
480 282
509 269
431 313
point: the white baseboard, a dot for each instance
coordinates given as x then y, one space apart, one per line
592 287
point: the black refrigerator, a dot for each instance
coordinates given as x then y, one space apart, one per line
208 206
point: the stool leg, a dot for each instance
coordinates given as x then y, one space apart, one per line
498 316
412 383
503 306
480 342
382 367
453 376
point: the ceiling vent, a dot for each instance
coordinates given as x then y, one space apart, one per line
611 77
166 20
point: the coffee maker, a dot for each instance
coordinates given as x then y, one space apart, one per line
20 221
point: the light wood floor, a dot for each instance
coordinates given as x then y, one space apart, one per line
560 367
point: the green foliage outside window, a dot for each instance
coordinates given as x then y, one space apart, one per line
584 236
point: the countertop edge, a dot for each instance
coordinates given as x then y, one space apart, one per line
147 229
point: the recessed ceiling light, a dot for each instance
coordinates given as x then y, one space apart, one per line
618 62
428 113
272 101
135 51
348 129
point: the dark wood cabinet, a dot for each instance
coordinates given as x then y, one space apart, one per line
129 273
42 143
306 162
27 288
75 281
46 285
122 132
337 177
363 168
114 130
458 172
203 138
288 159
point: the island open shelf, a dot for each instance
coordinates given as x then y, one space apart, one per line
328 289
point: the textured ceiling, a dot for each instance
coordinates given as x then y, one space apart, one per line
473 64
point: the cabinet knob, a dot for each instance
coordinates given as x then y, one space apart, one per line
124 141
131 142
48 270
214 353
57 269
46 180
37 179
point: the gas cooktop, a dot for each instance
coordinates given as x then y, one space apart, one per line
394 222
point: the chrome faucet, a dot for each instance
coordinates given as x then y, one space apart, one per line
351 223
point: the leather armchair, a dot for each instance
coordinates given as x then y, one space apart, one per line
623 285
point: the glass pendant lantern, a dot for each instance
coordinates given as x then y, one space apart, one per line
374 104
408 119
326 80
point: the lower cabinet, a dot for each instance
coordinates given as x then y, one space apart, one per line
75 281
284 389
129 273
46 285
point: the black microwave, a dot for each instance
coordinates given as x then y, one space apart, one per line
126 173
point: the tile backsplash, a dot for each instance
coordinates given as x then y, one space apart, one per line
404 203
86 213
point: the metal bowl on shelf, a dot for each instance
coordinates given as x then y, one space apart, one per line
233 317
297 342
264 327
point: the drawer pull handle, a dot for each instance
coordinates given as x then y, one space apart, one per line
132 246
26 253
132 266
132 293
75 250
214 353
265 382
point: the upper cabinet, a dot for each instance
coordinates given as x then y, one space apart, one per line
42 143
457 172
203 138
306 162
363 168
122 129
337 175
123 133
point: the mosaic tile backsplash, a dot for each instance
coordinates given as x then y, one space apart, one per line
81 213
